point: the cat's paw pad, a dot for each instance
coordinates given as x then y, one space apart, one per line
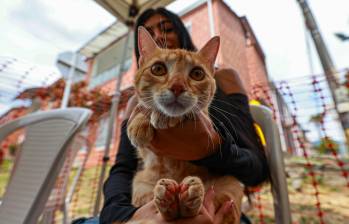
191 196
165 197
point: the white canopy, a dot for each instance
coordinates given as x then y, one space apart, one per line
127 10
121 9
106 38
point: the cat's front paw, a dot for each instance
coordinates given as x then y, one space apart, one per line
165 197
191 196
160 121
139 131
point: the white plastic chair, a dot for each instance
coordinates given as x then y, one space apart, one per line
61 196
264 118
48 135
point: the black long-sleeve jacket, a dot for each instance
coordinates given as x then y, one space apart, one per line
241 155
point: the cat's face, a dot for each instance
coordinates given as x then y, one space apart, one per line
175 82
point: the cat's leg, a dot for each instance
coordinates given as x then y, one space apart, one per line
140 131
166 198
142 188
191 196
228 188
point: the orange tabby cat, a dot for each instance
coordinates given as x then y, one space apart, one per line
173 85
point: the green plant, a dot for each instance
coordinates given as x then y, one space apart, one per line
326 146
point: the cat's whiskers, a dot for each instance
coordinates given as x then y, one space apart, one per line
232 105
227 133
230 124
221 137
145 112
225 128
224 111
147 98
218 110
194 117
210 133
210 137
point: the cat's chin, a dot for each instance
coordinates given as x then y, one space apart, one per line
174 109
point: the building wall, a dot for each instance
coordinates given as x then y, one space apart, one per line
200 31
106 65
256 68
257 75
236 50
233 41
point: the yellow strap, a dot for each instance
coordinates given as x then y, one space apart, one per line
260 134
257 127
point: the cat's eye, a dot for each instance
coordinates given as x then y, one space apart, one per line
158 69
197 74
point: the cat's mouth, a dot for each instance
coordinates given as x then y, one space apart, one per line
175 104
174 108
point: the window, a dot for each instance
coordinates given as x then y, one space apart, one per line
108 74
102 132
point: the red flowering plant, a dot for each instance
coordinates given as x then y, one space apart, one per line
97 100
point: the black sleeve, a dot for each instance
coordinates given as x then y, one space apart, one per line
118 187
241 153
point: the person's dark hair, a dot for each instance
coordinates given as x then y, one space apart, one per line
182 33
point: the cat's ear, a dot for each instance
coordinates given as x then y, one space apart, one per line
146 44
210 50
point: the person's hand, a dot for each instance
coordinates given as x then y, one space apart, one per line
207 215
190 140
229 81
147 212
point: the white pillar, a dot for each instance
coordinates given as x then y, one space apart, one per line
210 17
69 81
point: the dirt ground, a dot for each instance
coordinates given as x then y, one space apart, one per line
333 193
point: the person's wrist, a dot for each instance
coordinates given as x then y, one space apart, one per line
229 81
214 146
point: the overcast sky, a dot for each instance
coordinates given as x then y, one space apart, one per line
37 30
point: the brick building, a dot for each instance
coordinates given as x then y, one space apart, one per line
239 50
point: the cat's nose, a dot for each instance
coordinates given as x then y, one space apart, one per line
177 89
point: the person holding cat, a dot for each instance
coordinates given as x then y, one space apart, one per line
235 149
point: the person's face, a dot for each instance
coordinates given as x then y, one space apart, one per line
162 31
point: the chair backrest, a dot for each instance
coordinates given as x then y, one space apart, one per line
48 135
57 196
264 118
